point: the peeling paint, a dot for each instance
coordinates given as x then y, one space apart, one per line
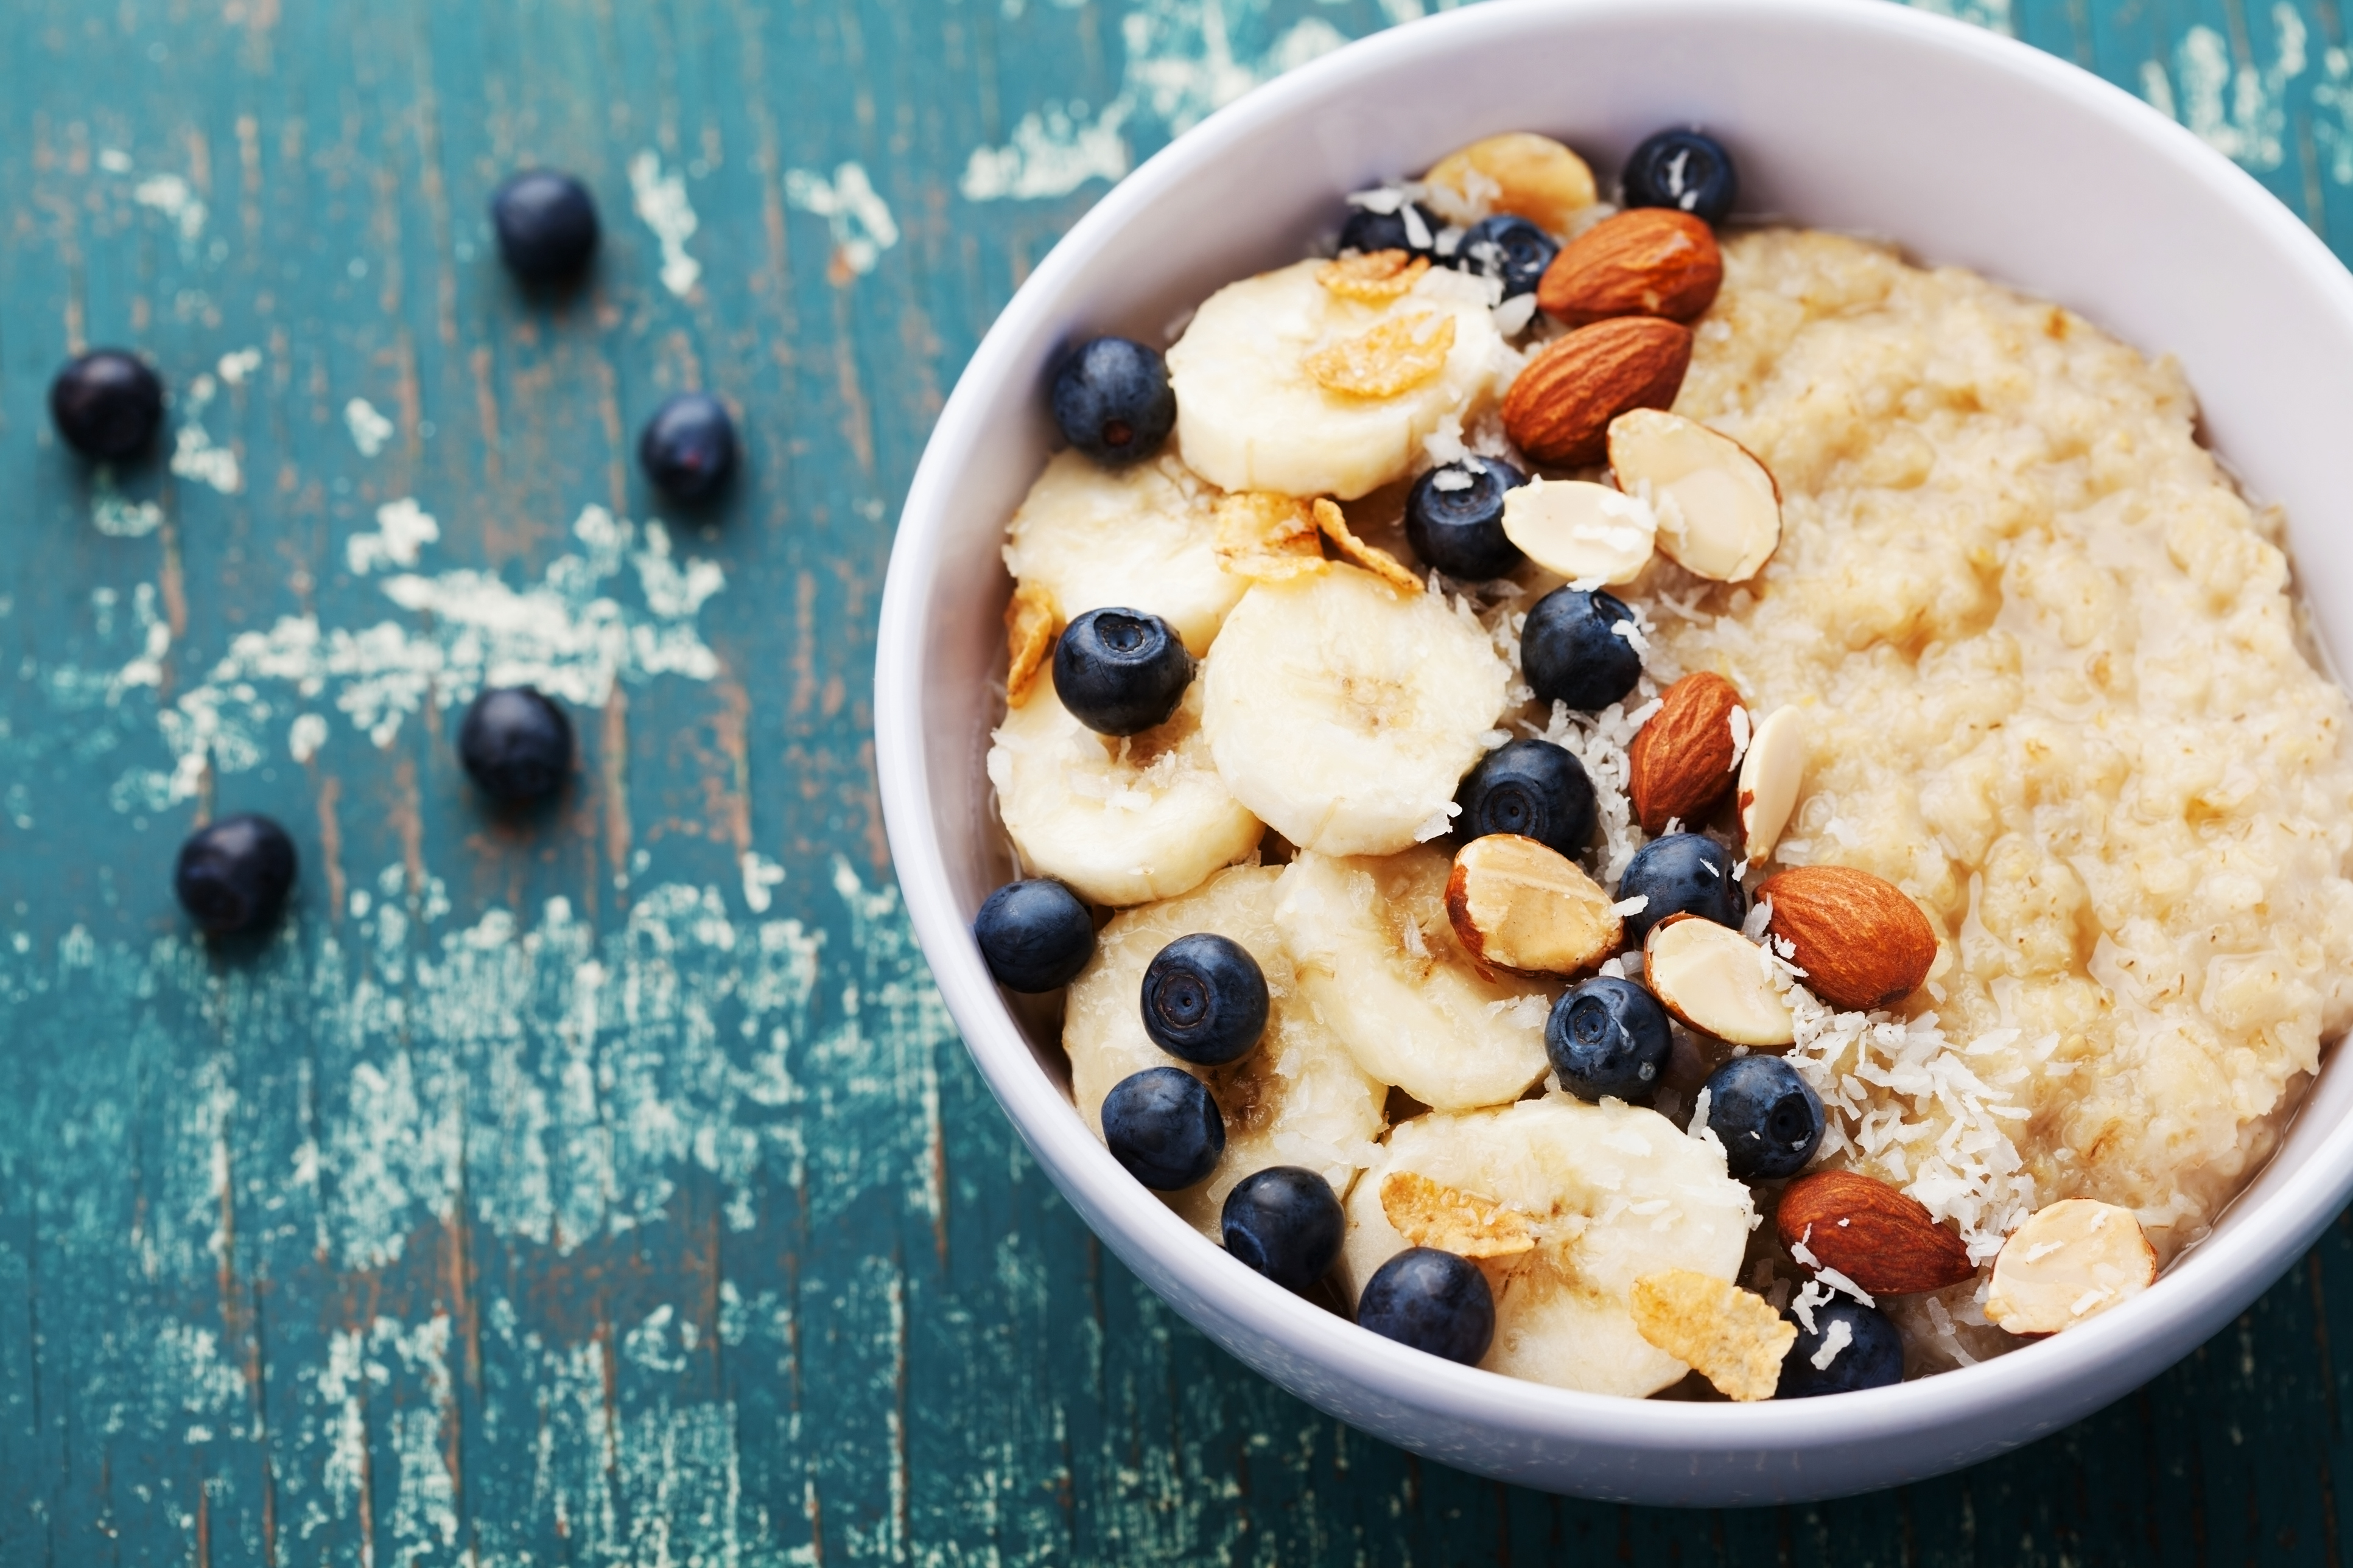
661 202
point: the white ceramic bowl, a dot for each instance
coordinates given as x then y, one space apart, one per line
1966 148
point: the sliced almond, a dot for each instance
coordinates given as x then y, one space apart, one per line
1393 357
2073 1260
1371 557
1524 905
1713 979
1770 775
1518 171
1032 622
1469 1224
1719 510
1732 1338
1585 531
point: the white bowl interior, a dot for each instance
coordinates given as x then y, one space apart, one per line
1963 147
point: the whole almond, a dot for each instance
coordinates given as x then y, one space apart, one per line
1651 261
1861 941
1882 1239
1682 761
1559 408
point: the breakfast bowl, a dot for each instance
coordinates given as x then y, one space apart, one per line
1961 147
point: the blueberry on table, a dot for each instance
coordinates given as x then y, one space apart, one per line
516 745
1454 519
1121 672
1770 1118
1533 788
1368 231
1433 1300
1570 655
1035 935
1609 1036
107 404
546 223
1857 1347
1511 250
688 446
1205 1000
1111 400
1681 874
1162 1125
1284 1222
234 874
1686 170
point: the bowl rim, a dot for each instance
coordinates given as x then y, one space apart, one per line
2201 1284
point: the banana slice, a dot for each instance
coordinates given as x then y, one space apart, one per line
1377 954
1298 1100
1144 537
1252 416
1343 713
1614 1192
1122 821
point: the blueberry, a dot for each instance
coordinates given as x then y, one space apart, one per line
1111 400
1686 170
1035 935
688 447
1770 1118
1433 1300
546 223
107 404
1609 1036
1285 1222
516 744
1533 788
1569 654
1369 231
234 874
1162 1126
1509 249
1681 874
1205 999
1454 519
1121 672
1872 1357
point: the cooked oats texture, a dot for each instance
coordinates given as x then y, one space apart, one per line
2054 687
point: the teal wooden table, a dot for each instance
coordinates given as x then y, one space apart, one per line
609 1186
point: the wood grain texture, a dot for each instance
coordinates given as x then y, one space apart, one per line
609 1186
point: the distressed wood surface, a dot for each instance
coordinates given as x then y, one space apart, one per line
610 1187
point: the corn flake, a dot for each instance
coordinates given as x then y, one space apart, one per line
1032 622
1376 277
1371 557
1268 537
1395 356
1732 1338
1430 1214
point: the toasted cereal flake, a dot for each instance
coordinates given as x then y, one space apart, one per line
1268 537
1395 356
1430 1214
1732 1338
1032 622
1371 557
1375 278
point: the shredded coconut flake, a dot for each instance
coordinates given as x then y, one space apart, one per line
1839 1337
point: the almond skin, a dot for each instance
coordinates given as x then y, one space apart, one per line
1559 409
1861 941
1682 759
1877 1237
1651 261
